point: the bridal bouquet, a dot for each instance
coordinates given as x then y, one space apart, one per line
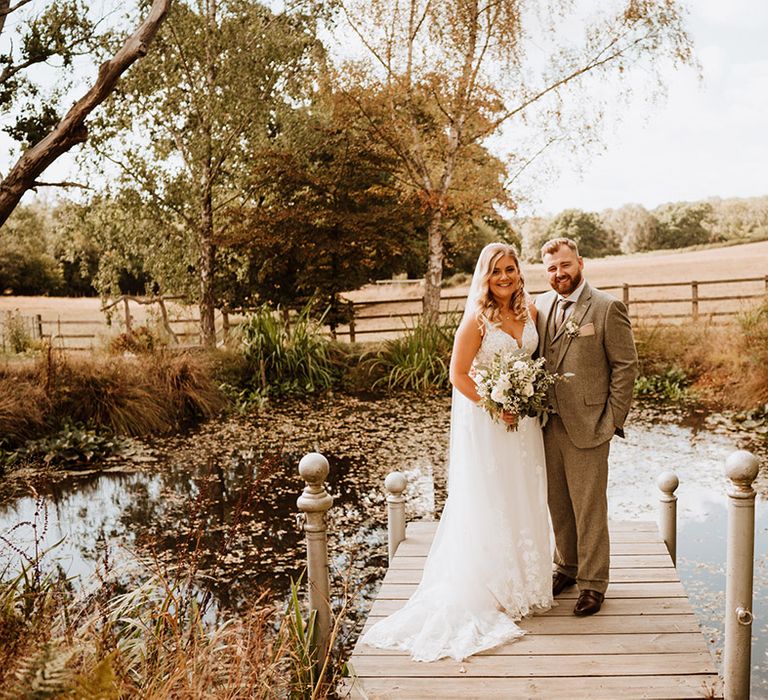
514 382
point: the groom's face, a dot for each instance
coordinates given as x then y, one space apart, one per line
564 270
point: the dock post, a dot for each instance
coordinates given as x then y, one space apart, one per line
741 468
395 484
667 483
314 502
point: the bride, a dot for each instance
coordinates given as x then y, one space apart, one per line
490 562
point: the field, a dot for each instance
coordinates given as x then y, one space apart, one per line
83 316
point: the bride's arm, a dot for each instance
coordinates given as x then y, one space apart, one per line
466 343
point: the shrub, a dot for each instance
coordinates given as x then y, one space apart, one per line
139 341
672 385
286 356
754 351
418 361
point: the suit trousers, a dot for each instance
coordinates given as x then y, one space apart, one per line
577 481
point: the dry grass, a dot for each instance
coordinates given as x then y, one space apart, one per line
728 365
129 396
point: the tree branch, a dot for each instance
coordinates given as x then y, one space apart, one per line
71 130
39 183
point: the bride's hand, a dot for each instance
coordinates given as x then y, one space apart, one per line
509 417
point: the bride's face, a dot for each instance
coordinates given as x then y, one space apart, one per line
504 280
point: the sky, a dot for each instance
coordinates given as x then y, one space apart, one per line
707 138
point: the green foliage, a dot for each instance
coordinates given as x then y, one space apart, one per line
188 126
418 361
594 239
681 224
754 349
52 36
286 355
74 445
333 216
671 386
26 265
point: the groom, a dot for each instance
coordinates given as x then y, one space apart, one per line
586 332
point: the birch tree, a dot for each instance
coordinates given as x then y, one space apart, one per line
455 72
183 133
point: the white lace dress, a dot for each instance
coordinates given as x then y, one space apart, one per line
490 562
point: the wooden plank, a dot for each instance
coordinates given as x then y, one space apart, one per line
657 687
671 589
528 666
636 575
620 606
601 624
574 644
615 526
619 561
419 547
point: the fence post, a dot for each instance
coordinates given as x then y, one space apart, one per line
352 321
39 326
667 483
314 502
225 326
625 294
741 468
395 484
695 300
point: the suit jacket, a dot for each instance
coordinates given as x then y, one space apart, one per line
593 404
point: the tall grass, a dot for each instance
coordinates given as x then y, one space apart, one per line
724 365
161 638
286 356
128 396
418 361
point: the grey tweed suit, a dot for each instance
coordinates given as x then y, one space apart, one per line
590 408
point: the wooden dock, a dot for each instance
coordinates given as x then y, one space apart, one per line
644 643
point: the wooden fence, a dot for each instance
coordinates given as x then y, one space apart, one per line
657 302
709 301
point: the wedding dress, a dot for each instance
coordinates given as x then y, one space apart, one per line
490 563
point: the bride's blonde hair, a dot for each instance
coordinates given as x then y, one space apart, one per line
485 305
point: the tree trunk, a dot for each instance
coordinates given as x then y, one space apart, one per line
71 130
434 276
207 273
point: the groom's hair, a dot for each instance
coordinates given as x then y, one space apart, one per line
554 245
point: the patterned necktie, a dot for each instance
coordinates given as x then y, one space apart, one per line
564 304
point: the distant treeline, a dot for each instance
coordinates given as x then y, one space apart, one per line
633 228
44 250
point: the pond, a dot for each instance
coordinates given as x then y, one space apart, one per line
223 499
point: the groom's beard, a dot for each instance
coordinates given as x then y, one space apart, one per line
565 284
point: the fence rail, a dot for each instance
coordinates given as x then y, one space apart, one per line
377 319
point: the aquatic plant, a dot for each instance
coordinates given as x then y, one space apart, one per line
286 354
418 361
672 386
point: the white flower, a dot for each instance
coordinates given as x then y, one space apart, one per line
528 390
497 394
519 366
572 329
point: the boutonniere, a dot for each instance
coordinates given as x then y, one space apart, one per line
572 329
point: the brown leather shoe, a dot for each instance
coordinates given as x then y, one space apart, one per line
589 603
560 582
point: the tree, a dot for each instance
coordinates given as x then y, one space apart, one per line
452 73
26 265
682 224
633 225
64 30
534 231
593 239
331 217
219 78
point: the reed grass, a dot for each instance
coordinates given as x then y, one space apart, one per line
286 355
418 361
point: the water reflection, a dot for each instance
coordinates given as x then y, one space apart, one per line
223 499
